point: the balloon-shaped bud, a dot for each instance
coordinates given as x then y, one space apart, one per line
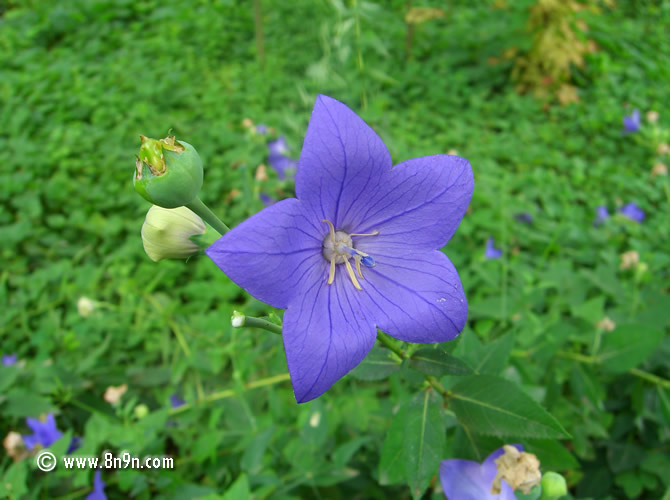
168 233
553 486
168 173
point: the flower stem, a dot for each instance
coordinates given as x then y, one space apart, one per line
262 323
391 344
231 392
207 215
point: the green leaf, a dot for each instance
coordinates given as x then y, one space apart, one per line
392 465
627 346
494 356
343 453
253 454
552 454
494 406
424 442
13 484
22 403
239 490
377 365
437 362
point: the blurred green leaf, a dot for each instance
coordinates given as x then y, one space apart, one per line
437 362
494 406
627 346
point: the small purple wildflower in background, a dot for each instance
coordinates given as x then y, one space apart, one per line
9 359
176 401
352 208
632 211
261 129
631 123
98 492
44 433
468 480
278 158
74 444
492 252
267 200
602 214
524 217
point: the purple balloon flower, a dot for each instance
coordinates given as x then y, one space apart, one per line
492 252
467 480
352 207
262 129
44 433
176 401
632 211
278 159
524 217
9 359
601 215
631 123
98 492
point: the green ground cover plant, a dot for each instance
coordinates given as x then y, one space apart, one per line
567 326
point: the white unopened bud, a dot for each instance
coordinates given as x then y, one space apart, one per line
85 307
606 324
652 116
237 319
659 169
629 259
166 233
113 394
519 469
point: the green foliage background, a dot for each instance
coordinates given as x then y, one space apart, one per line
80 79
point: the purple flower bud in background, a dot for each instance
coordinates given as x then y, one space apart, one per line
632 211
74 444
9 359
631 123
278 159
267 200
524 217
262 129
45 433
468 480
491 252
176 401
98 492
601 215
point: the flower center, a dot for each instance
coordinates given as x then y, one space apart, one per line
338 248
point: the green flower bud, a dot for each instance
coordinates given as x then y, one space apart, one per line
141 411
168 173
553 486
167 232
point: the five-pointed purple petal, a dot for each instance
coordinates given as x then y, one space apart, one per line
44 433
413 292
468 480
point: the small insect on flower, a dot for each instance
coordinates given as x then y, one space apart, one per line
631 123
357 250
